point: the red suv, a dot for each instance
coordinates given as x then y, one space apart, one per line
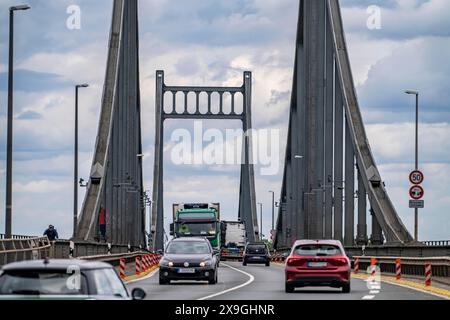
318 263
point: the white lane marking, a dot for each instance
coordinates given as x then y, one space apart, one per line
417 289
368 297
151 274
250 280
374 291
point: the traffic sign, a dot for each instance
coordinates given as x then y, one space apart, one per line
416 177
416 204
416 192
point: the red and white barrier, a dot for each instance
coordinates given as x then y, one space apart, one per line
398 269
122 266
428 274
356 266
146 265
152 260
138 267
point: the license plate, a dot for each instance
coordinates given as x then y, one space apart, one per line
186 270
317 264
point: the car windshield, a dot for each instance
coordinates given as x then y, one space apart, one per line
188 247
196 229
107 283
259 248
42 282
312 250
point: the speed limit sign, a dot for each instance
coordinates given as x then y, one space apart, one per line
416 177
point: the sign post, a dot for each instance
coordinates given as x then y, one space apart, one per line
416 193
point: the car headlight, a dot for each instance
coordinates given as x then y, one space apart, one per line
205 263
166 263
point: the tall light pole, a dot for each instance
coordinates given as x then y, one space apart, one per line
75 163
416 210
273 210
9 143
260 219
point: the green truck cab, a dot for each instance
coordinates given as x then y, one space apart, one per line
197 220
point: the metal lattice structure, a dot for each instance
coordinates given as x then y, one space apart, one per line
327 144
115 184
247 202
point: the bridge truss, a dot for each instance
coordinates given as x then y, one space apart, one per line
115 184
327 144
247 199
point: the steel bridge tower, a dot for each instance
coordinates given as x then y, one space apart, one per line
115 183
247 199
327 148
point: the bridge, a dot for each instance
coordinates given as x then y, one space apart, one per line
327 144
327 152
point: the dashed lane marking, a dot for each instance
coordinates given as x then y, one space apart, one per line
250 280
438 292
368 297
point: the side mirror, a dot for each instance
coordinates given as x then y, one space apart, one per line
138 294
172 229
159 251
216 252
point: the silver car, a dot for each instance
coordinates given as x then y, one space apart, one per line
63 279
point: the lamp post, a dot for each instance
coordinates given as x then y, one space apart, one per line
260 219
416 210
9 143
273 209
75 169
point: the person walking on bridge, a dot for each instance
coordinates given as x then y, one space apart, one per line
51 233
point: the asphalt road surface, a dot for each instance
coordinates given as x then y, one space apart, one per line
258 282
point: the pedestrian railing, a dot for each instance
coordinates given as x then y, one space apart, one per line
437 243
16 237
12 250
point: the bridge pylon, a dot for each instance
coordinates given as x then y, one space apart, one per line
327 148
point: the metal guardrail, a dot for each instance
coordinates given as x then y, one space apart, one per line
437 243
17 237
12 250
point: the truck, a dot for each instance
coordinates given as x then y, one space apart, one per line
233 239
197 220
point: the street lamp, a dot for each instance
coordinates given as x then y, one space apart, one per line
273 209
9 143
416 210
75 169
260 219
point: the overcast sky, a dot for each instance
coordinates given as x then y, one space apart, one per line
211 42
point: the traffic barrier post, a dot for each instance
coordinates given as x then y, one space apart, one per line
122 266
428 274
138 266
356 266
398 269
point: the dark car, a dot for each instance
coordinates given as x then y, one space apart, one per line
63 279
189 258
318 263
256 252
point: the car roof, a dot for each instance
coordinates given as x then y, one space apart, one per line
318 241
56 264
189 239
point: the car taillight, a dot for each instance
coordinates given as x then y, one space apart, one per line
341 261
294 261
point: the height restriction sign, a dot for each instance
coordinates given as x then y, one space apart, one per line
416 177
416 192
